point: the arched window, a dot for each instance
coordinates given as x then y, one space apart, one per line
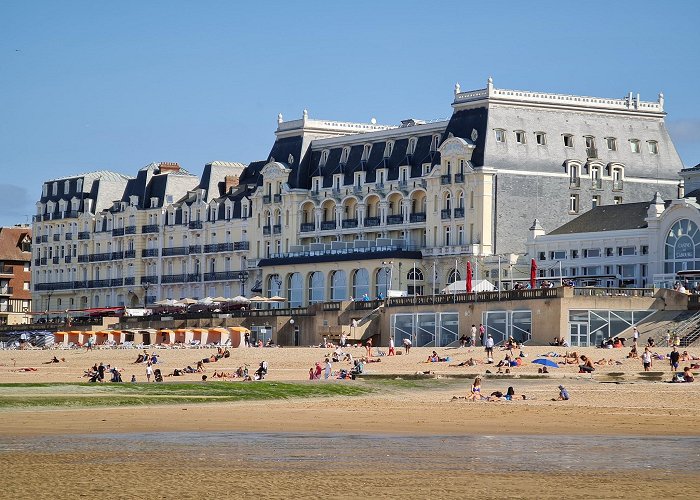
382 278
414 274
316 287
360 283
682 247
453 276
460 199
295 290
339 285
447 201
274 285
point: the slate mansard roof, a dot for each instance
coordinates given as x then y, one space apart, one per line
608 218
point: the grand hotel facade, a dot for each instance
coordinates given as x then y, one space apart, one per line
340 210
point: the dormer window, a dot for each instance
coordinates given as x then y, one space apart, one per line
519 137
366 150
634 145
45 190
611 142
54 189
540 138
435 143
388 149
568 140
154 202
653 147
411 146
500 135
66 187
344 155
79 185
324 157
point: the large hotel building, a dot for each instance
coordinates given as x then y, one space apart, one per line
340 210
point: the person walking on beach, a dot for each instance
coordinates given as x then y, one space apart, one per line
635 335
674 357
482 333
368 346
646 359
489 347
246 339
392 349
473 332
407 344
668 338
149 372
327 369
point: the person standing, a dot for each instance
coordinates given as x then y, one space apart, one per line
246 339
668 338
674 357
392 349
635 335
646 359
482 332
473 334
368 346
489 347
327 369
407 344
343 338
149 372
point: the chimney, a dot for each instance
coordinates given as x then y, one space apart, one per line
168 166
230 182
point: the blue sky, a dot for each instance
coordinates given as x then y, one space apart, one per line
88 85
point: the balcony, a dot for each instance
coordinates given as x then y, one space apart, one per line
327 225
459 212
117 255
80 284
394 219
67 259
357 189
307 227
116 282
459 178
223 276
44 238
84 235
149 252
36 218
195 249
172 278
130 230
194 277
218 247
83 258
267 199
6 290
118 231
37 262
46 217
100 257
277 198
349 223
71 214
617 186
277 229
98 283
241 245
151 280
417 217
446 214
129 281
596 183
575 182
149 228
55 260
172 251
592 152
130 254
446 179
403 185
372 221
57 237
69 236
195 224
43 261
6 308
267 230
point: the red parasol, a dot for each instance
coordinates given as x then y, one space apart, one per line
469 277
533 273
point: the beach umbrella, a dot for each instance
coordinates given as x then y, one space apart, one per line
240 299
545 362
187 301
258 298
469 277
219 299
277 298
533 273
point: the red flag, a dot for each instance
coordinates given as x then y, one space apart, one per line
533 273
469 277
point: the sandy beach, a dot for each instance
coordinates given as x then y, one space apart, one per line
615 401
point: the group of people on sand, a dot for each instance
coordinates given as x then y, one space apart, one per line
475 394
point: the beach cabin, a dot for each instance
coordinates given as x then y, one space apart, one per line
183 336
166 336
218 336
237 334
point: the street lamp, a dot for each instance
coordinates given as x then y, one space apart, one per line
48 304
242 277
389 270
145 286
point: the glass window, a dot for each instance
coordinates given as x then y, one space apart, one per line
382 278
611 142
653 147
568 140
634 145
316 287
519 137
682 246
500 135
573 203
360 283
339 285
540 138
295 290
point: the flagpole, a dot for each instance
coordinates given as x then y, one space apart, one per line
454 290
499 277
434 280
414 282
561 279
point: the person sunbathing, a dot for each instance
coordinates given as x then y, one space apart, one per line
688 375
571 358
54 360
475 391
469 362
221 374
27 369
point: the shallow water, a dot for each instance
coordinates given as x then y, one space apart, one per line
425 453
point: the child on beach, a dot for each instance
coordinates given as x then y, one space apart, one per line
563 394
